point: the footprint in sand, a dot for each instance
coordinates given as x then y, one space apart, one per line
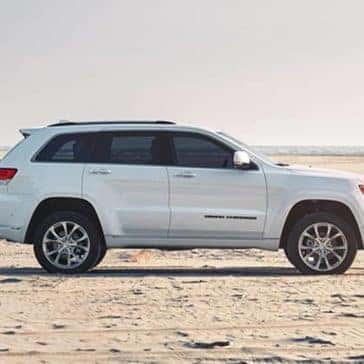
58 326
351 315
85 350
209 345
110 317
10 280
141 256
313 340
115 351
9 333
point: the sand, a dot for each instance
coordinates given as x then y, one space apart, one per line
181 307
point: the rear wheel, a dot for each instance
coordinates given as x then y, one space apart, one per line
322 243
103 251
68 243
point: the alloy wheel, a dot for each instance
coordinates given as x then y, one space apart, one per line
66 245
323 247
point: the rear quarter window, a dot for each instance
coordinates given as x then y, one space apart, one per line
67 148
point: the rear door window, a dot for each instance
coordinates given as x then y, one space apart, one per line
132 148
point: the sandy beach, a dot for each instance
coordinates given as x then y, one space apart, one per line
201 306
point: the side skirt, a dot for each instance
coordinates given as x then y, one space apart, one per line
114 242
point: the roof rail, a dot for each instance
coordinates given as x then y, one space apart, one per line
74 123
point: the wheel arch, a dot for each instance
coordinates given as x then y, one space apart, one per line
305 207
54 204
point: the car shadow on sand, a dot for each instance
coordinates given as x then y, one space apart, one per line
162 272
131 272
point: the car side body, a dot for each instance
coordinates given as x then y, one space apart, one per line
169 206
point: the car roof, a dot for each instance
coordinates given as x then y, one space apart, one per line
113 122
98 126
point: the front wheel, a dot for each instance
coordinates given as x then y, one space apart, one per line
67 243
322 243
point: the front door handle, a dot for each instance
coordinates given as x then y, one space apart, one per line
185 174
100 171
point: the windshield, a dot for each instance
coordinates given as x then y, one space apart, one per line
246 147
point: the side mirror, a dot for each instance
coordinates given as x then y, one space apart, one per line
241 159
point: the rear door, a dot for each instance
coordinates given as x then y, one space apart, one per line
128 184
210 199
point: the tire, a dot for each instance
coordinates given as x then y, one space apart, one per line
336 255
75 259
288 256
103 251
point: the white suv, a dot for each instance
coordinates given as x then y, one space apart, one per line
75 190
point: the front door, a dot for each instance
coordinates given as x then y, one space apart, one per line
209 198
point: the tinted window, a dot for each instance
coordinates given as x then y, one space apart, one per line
141 148
69 148
201 152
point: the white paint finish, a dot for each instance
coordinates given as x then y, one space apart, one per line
217 192
34 183
150 206
46 180
37 182
10 209
241 158
289 186
130 200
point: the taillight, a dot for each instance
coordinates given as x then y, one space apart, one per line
7 174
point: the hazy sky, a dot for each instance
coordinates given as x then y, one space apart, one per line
269 71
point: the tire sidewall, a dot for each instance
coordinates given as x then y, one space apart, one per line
292 250
92 231
102 253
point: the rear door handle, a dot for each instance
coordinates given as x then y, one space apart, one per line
100 171
185 174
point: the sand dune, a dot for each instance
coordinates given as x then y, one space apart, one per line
180 307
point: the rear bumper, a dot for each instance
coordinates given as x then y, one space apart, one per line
11 234
14 216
